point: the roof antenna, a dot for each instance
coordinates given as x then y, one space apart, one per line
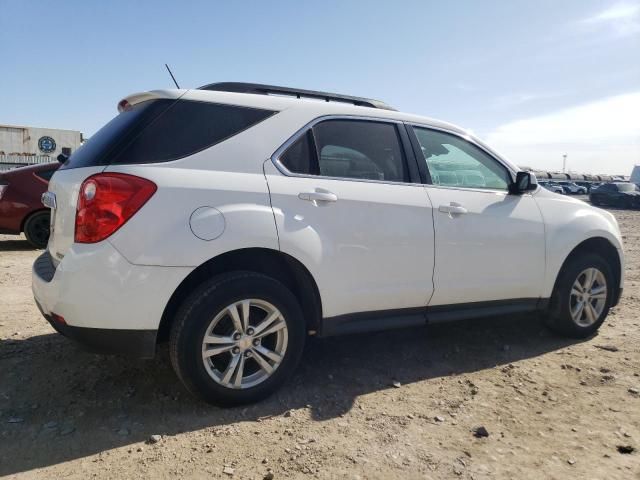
172 77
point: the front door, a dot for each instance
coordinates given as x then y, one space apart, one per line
489 244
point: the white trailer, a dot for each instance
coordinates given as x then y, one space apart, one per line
21 145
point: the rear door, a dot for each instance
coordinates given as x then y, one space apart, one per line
349 205
489 244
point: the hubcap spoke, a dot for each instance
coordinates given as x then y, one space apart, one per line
246 308
577 312
266 326
222 344
264 365
273 356
237 379
589 278
590 314
235 317
231 368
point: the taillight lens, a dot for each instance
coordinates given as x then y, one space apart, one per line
107 201
3 187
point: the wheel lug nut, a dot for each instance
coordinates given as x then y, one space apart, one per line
236 336
247 354
235 350
256 342
250 331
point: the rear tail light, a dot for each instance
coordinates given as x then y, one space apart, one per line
107 201
3 187
58 318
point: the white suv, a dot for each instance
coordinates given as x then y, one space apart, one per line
236 219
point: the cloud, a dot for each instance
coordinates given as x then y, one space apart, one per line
623 18
598 137
520 98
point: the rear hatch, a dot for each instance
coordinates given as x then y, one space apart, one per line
104 148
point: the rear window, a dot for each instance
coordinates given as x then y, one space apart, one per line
164 130
46 174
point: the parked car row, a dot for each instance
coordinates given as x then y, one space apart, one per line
569 188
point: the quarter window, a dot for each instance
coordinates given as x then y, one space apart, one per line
454 162
300 157
349 149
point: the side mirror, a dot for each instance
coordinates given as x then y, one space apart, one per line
62 158
525 182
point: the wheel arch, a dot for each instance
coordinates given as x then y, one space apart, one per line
603 247
281 266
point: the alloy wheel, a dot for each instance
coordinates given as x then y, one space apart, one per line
245 343
588 297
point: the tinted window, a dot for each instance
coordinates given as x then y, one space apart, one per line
122 128
300 156
46 174
627 187
453 161
164 130
360 149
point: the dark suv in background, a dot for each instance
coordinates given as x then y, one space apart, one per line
617 194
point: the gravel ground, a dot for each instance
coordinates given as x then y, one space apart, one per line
399 404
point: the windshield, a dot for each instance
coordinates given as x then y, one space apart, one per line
627 187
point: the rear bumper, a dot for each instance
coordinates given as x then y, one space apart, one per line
134 343
107 303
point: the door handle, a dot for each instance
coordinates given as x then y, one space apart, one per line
453 208
318 196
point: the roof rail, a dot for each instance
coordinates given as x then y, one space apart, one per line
260 89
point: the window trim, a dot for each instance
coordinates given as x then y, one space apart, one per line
399 124
469 139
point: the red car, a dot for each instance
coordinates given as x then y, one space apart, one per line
21 209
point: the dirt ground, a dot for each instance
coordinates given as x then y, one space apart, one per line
399 404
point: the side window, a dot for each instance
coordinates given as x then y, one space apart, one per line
300 157
360 149
349 149
46 174
454 162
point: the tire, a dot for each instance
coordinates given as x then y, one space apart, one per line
36 229
564 302
206 312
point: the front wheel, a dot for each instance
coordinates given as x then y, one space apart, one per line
237 338
582 296
36 229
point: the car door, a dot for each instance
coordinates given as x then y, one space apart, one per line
489 244
349 205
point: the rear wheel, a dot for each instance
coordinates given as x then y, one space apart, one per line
582 297
237 338
36 229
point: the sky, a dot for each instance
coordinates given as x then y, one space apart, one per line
535 79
